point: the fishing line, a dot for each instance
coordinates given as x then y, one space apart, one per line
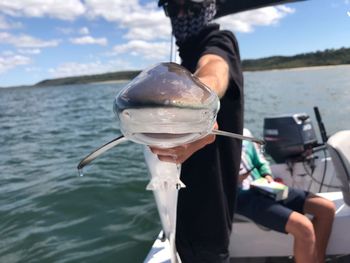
324 170
237 136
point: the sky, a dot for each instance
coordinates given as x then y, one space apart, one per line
44 39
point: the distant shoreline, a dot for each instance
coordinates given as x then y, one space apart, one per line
319 67
327 57
301 68
307 61
116 81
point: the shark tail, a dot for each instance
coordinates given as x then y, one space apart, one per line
175 257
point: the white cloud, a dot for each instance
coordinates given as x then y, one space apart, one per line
84 31
26 41
33 69
6 24
89 40
7 53
70 30
62 9
148 50
246 21
9 62
77 69
146 22
111 10
159 30
33 51
65 30
156 28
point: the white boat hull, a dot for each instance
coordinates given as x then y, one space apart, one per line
248 240
251 240
318 175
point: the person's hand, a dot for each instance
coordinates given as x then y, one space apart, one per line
269 178
180 154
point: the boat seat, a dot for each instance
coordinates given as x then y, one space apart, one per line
339 149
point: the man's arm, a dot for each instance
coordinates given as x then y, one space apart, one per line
213 71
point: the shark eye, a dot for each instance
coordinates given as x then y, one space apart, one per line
127 114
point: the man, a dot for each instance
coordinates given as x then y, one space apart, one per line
286 216
210 165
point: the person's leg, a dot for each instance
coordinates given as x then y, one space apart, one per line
323 212
284 216
302 230
277 216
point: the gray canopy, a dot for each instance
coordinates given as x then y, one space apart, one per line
227 7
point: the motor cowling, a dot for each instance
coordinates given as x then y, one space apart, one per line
289 137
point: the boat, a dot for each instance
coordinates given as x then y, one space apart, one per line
301 162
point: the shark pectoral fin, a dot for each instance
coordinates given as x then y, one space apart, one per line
180 184
156 184
92 156
151 186
237 136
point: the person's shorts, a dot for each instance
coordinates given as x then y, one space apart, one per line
267 212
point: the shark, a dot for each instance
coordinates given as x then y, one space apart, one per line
165 106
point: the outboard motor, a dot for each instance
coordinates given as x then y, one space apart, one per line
289 137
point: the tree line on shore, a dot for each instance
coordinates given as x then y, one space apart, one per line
327 57
319 58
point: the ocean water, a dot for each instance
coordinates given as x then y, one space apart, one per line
48 213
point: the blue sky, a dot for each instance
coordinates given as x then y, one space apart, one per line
41 39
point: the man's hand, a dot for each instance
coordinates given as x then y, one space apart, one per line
180 154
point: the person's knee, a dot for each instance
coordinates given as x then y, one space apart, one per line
320 207
301 228
326 210
329 208
306 231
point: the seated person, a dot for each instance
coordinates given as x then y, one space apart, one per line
286 216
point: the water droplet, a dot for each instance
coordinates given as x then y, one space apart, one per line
81 173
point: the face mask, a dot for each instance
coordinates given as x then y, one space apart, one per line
190 25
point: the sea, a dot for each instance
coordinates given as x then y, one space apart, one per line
48 213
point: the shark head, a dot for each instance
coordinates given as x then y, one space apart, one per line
166 106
